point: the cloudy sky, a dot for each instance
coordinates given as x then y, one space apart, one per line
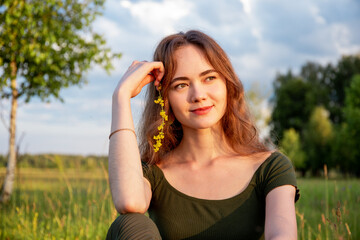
261 37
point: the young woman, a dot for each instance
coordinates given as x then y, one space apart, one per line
206 175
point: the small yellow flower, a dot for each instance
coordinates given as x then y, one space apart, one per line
160 135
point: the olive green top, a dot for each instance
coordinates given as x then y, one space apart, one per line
179 216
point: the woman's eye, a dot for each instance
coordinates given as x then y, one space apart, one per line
180 86
210 78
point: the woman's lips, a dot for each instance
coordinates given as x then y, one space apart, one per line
202 111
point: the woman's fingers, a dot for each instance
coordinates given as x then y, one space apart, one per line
155 70
140 74
148 79
158 72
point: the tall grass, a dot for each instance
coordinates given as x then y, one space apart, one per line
328 209
54 204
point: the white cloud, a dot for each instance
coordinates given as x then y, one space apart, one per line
341 36
314 10
261 65
152 15
256 33
246 5
109 28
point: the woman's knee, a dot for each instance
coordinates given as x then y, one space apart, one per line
133 226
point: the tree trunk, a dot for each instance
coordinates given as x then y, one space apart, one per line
10 171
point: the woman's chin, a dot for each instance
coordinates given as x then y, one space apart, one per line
202 126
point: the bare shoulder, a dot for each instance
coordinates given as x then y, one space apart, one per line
258 158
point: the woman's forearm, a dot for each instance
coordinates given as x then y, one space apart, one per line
125 171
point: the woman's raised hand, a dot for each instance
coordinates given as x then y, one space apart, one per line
137 76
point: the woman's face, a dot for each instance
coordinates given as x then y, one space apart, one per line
197 93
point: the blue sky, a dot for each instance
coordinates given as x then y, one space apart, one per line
261 37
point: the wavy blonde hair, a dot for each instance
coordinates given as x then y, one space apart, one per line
237 124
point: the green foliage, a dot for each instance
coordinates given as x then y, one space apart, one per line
297 95
342 149
329 83
51 45
352 99
318 136
341 78
332 140
291 106
347 143
291 146
320 127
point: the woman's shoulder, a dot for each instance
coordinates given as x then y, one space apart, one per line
274 161
259 159
277 159
275 171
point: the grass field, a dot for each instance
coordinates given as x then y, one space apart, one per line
328 209
53 204
70 204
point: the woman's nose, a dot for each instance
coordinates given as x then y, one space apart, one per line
198 93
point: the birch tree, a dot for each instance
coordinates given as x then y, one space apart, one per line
45 46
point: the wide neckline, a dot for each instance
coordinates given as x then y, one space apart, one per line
242 194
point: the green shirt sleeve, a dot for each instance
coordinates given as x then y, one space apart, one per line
279 172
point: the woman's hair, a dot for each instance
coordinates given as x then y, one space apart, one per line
238 127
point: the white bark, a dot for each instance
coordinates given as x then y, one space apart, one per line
10 171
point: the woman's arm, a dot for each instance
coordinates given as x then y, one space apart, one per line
280 220
130 190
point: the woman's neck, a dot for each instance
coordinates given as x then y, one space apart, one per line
202 146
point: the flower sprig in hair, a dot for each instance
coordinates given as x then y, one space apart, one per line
164 117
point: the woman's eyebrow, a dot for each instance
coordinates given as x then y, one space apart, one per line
179 79
200 75
207 72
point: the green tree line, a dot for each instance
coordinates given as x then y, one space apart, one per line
316 116
51 161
